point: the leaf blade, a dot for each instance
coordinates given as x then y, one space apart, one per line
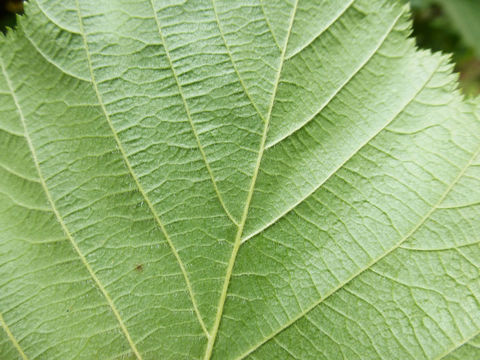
361 219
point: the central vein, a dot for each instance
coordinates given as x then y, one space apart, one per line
241 225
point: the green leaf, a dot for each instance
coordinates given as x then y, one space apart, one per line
228 180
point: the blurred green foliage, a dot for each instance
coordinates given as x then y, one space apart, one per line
452 26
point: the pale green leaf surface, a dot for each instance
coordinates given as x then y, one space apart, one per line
219 179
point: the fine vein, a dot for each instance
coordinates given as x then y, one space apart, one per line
135 178
60 219
12 338
371 263
238 237
189 116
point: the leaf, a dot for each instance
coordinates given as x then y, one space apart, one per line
229 180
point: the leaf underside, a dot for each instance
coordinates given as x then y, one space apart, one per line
234 179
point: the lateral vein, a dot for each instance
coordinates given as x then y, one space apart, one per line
60 219
350 156
12 338
458 345
269 25
331 22
229 52
343 85
371 263
190 120
135 178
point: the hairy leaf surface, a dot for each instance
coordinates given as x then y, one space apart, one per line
216 179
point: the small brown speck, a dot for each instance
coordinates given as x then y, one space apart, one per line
139 267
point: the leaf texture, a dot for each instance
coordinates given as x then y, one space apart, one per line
212 179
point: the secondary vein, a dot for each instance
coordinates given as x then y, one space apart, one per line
357 70
135 178
348 158
12 338
190 120
61 221
269 25
229 52
458 345
371 263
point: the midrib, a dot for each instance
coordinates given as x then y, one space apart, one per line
238 237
